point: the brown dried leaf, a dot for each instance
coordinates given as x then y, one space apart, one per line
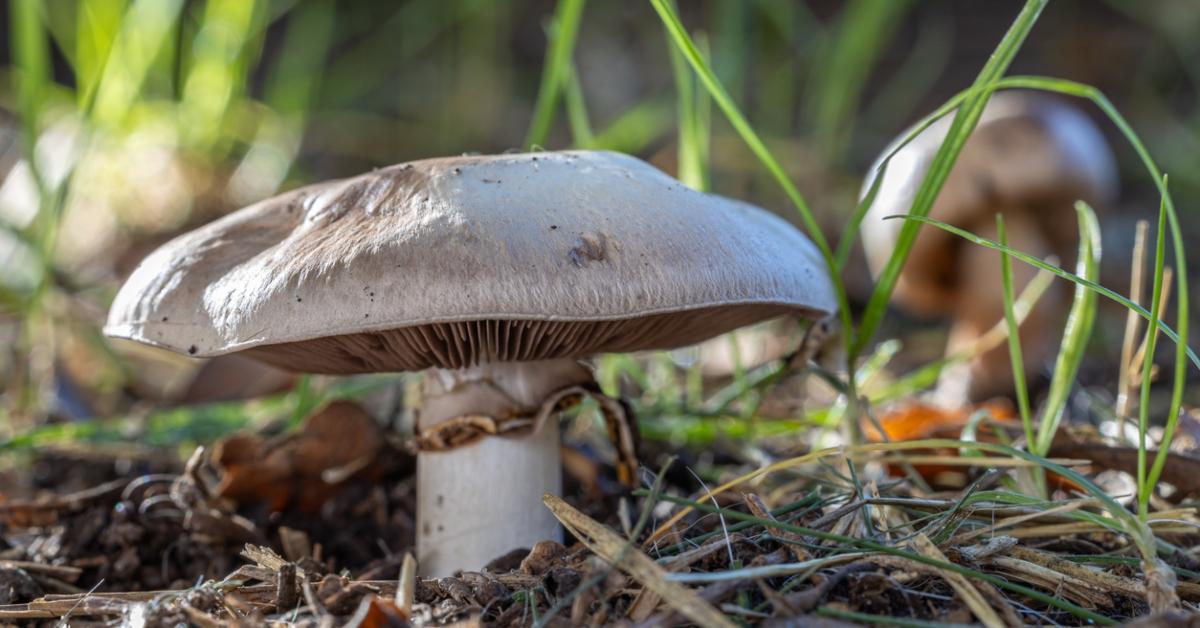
300 470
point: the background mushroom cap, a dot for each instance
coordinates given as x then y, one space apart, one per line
1030 153
456 261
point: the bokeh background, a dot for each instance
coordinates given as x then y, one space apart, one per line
126 122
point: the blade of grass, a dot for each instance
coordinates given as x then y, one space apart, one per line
577 115
1125 372
636 128
897 96
965 119
296 75
96 29
692 170
1139 356
560 48
1078 330
1014 338
143 34
752 140
30 50
1145 488
1144 491
1182 350
1033 261
846 243
863 31
221 58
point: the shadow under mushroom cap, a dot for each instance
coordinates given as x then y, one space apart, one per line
448 262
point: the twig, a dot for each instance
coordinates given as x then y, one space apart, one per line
610 546
969 594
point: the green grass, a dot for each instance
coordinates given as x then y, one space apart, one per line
966 116
1145 486
1077 333
742 126
561 37
1014 338
861 36
693 111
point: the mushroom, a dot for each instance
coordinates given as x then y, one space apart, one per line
1030 158
495 275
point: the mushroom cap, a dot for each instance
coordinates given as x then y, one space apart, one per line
459 261
1029 153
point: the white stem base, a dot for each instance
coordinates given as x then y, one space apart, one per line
479 502
486 500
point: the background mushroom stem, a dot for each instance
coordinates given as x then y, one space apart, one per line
980 305
480 501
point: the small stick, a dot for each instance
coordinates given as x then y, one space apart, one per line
310 597
619 552
796 545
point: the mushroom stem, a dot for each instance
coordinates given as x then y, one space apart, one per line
478 502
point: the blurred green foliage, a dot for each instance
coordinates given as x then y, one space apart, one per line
129 121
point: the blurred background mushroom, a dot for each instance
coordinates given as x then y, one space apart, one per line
497 274
1030 158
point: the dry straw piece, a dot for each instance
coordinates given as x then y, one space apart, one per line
626 556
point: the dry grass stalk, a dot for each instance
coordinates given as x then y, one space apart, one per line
623 555
643 606
1010 617
1084 527
969 594
959 461
795 544
1098 578
1125 375
1010 522
62 572
1081 592
715 545
1140 356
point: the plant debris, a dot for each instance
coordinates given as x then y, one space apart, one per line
176 548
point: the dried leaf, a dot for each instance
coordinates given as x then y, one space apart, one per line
300 470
